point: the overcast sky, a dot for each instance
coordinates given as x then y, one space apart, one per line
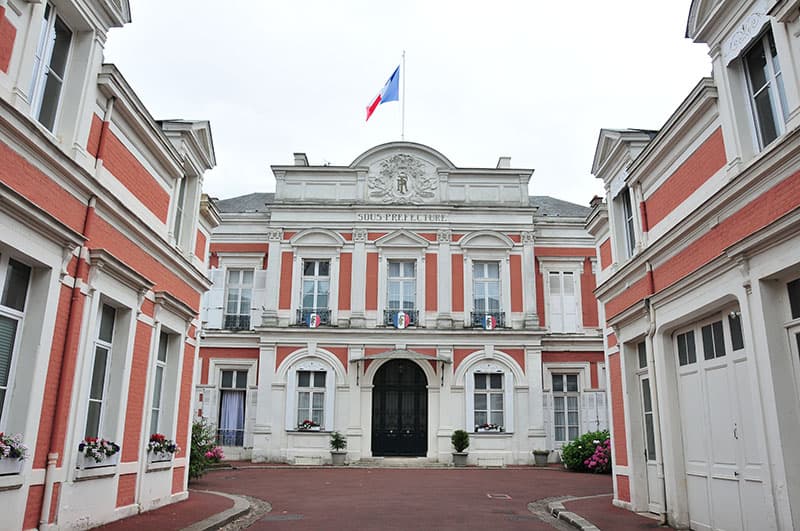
532 80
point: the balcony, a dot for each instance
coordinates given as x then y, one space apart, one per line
478 319
236 322
230 437
389 317
302 317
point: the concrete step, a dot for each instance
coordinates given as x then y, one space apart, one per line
397 462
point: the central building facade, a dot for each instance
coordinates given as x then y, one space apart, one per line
395 300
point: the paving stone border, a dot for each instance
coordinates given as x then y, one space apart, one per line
557 509
242 507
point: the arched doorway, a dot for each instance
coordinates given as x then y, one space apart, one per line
400 410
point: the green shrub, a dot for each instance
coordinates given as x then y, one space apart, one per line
576 453
338 441
460 440
203 442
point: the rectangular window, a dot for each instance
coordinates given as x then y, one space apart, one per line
239 299
565 407
179 204
563 302
686 350
316 284
641 350
402 284
311 397
713 340
489 400
15 278
101 365
49 67
735 324
627 220
765 87
233 391
647 409
794 298
486 286
158 382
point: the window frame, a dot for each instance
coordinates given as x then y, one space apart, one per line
484 282
109 347
487 366
403 282
19 317
628 221
773 87
312 389
309 363
316 278
565 394
239 286
574 265
42 67
156 417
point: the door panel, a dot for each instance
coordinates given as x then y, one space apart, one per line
400 410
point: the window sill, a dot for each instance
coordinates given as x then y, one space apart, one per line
85 474
11 482
491 433
308 432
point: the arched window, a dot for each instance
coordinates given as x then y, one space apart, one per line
310 392
489 387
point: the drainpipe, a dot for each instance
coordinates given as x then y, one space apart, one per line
67 366
651 332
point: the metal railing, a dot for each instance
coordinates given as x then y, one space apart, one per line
304 313
236 322
230 437
389 317
477 319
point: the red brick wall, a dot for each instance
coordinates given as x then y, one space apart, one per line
605 253
200 245
132 174
339 352
459 354
33 508
93 143
7 35
372 282
431 271
540 293
623 488
588 300
283 352
696 170
515 264
178 474
285 301
345 279
208 353
618 408
138 381
126 491
457 274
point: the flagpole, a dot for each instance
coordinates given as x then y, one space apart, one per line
403 102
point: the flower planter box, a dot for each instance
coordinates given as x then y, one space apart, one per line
160 457
85 463
489 430
10 466
312 428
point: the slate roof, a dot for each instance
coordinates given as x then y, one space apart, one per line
259 201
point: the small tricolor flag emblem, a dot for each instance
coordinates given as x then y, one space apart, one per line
313 320
402 320
489 322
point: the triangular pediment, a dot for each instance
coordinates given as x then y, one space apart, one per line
701 12
402 238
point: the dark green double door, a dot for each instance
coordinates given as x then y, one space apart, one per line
400 410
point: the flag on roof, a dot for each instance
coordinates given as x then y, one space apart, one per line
389 92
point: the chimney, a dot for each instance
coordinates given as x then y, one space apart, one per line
503 162
300 159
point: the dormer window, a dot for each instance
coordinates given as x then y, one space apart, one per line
49 67
765 89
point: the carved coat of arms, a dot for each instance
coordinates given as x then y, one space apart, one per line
402 179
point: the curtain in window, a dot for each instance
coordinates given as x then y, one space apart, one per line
231 419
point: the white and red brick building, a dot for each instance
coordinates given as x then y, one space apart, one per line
397 299
102 245
699 283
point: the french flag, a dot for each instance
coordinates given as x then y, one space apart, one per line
489 322
313 320
389 92
401 320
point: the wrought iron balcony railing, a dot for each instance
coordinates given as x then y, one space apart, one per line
236 322
390 318
481 320
230 437
303 317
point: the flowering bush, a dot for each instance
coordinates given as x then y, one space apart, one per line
159 444
11 447
307 425
203 439
215 455
600 461
488 427
576 454
97 449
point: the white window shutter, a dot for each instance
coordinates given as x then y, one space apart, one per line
250 419
588 412
547 406
602 411
570 303
259 297
215 300
556 307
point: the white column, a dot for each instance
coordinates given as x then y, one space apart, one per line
529 281
358 317
270 315
533 368
263 426
444 282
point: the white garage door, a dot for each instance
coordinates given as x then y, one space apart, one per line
723 448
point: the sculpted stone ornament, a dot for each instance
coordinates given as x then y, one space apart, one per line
402 179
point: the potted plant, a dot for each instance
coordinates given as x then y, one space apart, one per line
338 444
160 448
540 457
97 452
12 454
460 440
